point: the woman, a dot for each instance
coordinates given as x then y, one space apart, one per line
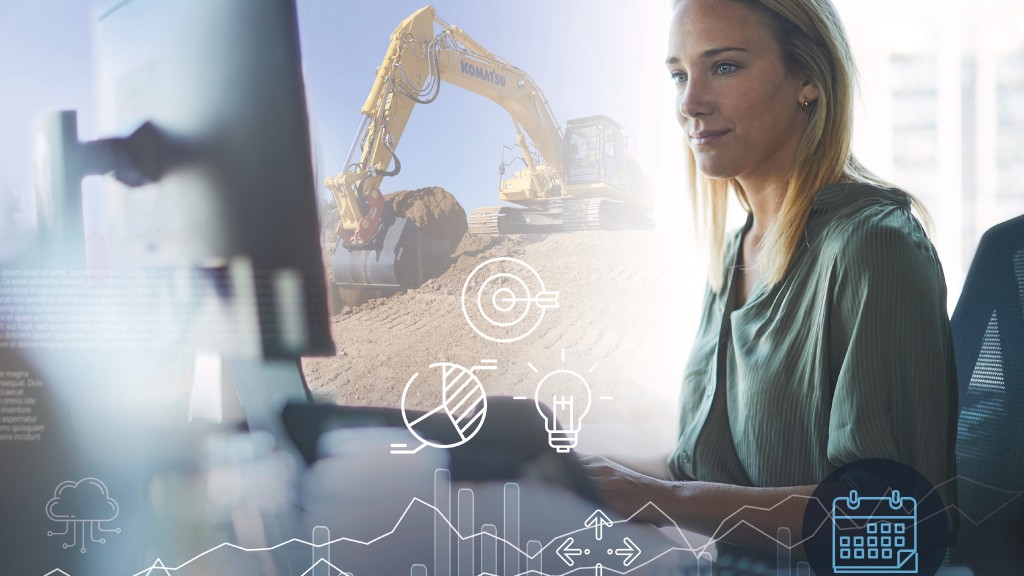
824 338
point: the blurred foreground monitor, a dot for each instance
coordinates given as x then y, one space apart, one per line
208 269
205 151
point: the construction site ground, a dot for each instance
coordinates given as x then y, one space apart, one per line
621 323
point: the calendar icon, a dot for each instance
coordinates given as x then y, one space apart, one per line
874 534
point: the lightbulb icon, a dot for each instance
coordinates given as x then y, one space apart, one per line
568 395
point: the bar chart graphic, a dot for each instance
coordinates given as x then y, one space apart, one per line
464 542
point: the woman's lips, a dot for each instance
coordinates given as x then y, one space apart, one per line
706 136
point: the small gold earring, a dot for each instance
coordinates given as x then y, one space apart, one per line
805 105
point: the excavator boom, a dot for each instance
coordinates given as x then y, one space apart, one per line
373 243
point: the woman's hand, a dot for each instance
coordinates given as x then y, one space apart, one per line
741 515
626 491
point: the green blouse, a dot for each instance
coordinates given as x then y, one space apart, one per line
848 357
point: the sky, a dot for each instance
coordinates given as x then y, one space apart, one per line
585 59
589 57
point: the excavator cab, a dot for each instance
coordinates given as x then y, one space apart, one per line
604 188
595 149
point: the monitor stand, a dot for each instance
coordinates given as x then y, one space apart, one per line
62 161
247 391
229 388
264 387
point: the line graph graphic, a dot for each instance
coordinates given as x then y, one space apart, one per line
528 559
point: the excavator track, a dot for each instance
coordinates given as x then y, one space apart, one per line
594 214
485 220
516 220
601 214
562 215
582 214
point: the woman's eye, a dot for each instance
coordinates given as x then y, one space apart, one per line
725 68
678 77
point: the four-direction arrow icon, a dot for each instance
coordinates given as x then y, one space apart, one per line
631 551
598 520
566 553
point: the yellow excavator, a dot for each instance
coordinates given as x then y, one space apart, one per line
582 179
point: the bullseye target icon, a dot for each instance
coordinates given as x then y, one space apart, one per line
504 299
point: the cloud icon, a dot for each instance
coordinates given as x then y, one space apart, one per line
84 501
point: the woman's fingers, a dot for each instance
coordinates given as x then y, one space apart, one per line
627 492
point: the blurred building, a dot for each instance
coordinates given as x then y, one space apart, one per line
942 86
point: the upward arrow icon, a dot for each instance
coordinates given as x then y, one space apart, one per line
598 520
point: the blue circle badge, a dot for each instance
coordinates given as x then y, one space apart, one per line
876 517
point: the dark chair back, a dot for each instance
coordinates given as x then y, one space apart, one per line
988 334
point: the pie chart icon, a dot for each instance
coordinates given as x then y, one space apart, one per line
459 406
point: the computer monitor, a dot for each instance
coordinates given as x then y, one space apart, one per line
218 86
203 125
209 197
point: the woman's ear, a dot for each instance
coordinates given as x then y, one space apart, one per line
809 92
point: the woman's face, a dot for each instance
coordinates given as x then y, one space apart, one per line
735 100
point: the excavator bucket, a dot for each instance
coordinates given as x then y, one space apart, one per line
405 258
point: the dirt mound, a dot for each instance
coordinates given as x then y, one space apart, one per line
615 326
474 249
433 210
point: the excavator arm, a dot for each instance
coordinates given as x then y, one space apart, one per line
415 64
378 249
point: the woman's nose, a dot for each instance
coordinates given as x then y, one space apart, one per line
693 102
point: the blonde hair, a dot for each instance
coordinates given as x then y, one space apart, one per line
813 46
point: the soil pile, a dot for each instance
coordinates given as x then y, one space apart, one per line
433 210
614 326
